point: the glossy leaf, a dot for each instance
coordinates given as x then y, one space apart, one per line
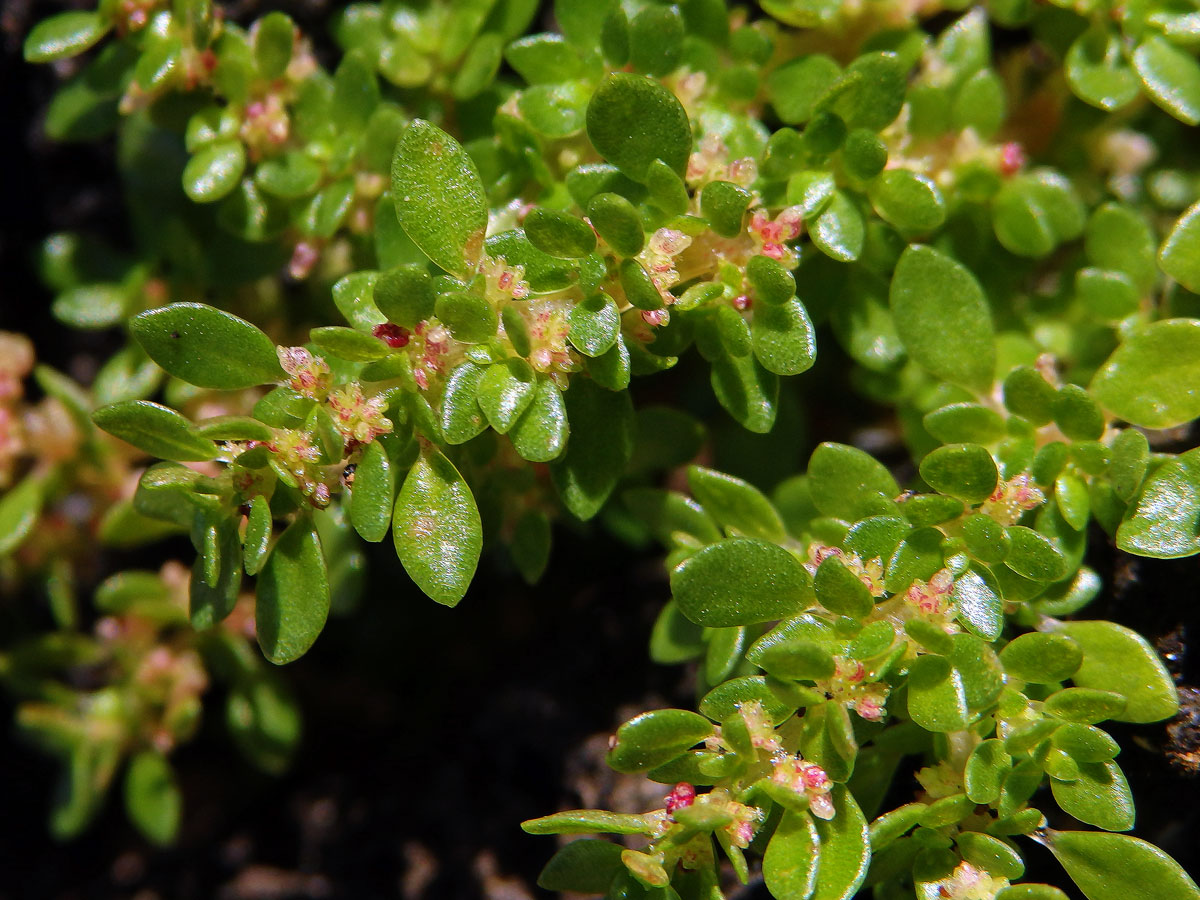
1178 256
437 530
653 738
845 848
965 471
1165 521
1098 796
1041 658
1171 76
64 35
207 347
1119 867
372 496
741 581
848 483
540 434
293 594
19 510
784 338
1120 660
439 197
791 861
1153 378
738 506
936 700
154 429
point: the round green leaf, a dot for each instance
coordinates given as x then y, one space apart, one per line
936 699
1120 660
845 848
738 506
848 483
214 171
1171 76
405 295
293 594
839 231
601 443
841 591
990 854
561 235
1153 378
505 391
784 339
740 582
907 200
633 120
1034 555
1165 522
1041 658
207 347
979 604
157 430
372 497
1097 71
965 471
617 222
64 35
594 325
943 319
724 205
439 197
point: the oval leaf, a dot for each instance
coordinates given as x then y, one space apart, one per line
739 582
293 594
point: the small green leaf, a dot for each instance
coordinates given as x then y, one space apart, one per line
841 591
796 660
985 770
633 120
1119 867
1179 256
405 295
1085 743
273 41
839 231
943 319
616 221
155 429
439 197
655 40
1117 237
1153 378
1165 521
594 325
848 483
640 289
909 201
19 510
214 171
795 87
724 204
1085 705
1029 395
505 391
470 317
845 848
561 235
936 700
1077 415
152 798
1035 212
653 738
739 582
1171 76
65 35
784 338
1034 556
964 423
1097 71
739 507
540 434
1122 661
1098 796
791 861
462 419
601 444
207 347
293 594
437 530
980 606
587 821
747 391
374 488
1128 463
1041 658
257 539
965 471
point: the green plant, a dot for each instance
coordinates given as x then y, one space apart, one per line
512 227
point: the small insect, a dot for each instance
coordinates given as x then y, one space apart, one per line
348 475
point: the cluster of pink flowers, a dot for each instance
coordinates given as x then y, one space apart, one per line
807 779
933 598
502 281
307 374
771 236
548 325
850 687
1012 498
870 573
710 162
359 419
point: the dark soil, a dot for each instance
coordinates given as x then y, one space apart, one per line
431 733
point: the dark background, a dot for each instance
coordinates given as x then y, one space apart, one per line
429 733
